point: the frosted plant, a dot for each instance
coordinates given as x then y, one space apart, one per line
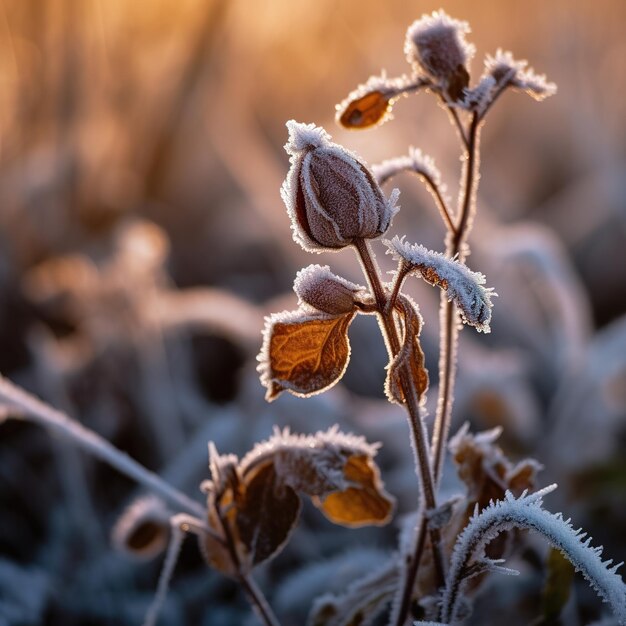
335 202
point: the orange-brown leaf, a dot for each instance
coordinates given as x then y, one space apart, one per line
304 353
410 355
368 110
364 502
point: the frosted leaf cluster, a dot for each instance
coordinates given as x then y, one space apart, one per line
461 285
526 512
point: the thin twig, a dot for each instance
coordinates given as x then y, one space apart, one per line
420 447
31 408
449 327
442 205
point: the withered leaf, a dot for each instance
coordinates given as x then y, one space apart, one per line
367 110
410 354
266 515
304 353
363 502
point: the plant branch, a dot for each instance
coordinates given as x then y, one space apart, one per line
449 325
420 447
440 201
30 408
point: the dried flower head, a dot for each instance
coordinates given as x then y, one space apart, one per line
435 44
318 287
143 530
331 197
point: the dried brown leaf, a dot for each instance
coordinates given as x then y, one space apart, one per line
266 514
410 354
303 352
364 502
367 110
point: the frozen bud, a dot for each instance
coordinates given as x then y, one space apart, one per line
318 287
435 44
331 197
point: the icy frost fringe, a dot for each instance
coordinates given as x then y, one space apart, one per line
526 513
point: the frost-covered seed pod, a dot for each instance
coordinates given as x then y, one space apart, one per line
318 287
436 44
331 197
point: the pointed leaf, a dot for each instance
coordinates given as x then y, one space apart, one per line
410 355
303 352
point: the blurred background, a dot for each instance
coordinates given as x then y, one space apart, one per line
143 239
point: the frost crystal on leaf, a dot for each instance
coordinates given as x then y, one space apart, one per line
456 279
507 72
416 161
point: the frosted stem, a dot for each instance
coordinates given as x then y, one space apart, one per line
420 444
449 316
27 406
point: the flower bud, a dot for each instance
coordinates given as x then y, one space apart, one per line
318 287
436 45
331 198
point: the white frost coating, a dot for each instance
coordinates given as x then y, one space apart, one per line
331 198
391 88
334 443
416 161
480 97
509 72
436 43
461 285
526 512
305 313
317 286
303 136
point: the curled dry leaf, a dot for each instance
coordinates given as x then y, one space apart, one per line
410 354
143 529
336 470
461 285
363 502
370 104
303 352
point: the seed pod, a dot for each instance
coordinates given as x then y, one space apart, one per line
436 44
331 197
318 287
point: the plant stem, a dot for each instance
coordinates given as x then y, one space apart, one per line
31 408
254 593
420 445
449 325
440 202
